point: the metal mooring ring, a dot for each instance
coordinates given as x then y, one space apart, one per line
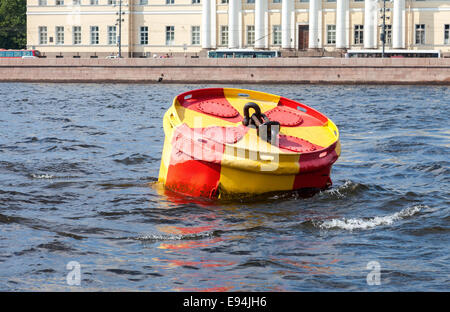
247 118
265 128
269 130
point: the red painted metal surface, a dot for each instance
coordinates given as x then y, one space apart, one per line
286 116
191 142
194 177
297 145
315 168
196 156
316 179
229 135
319 159
194 167
310 116
218 106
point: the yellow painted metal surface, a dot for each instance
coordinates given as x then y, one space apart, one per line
251 165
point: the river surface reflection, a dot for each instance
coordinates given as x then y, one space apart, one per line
78 171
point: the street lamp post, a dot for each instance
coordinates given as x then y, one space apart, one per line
120 20
383 34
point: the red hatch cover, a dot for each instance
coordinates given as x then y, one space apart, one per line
286 116
295 144
219 109
228 135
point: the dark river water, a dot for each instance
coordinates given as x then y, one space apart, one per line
78 171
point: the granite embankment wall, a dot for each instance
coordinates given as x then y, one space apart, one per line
203 70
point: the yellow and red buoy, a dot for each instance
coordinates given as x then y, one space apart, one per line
223 142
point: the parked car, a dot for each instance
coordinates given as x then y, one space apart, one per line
113 57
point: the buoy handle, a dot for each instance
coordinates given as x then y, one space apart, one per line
247 119
266 129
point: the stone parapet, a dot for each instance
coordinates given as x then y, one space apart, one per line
203 70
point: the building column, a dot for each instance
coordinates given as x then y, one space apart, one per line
233 24
241 25
266 30
398 27
315 26
342 7
213 24
370 24
287 8
206 24
260 16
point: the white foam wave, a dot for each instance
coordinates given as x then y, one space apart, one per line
340 192
41 176
163 237
363 224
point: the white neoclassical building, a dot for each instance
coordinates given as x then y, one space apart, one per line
91 27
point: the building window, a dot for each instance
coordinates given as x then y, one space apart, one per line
251 1
143 35
304 0
170 1
111 2
446 33
331 34
76 2
276 1
195 1
143 2
195 35
59 2
76 34
224 1
331 0
43 35
94 2
94 35
224 35
112 35
420 33
170 35
388 30
359 34
276 31
59 34
250 35
42 2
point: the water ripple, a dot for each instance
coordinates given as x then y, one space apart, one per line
79 165
369 223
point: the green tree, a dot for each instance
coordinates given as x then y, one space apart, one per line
13 24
